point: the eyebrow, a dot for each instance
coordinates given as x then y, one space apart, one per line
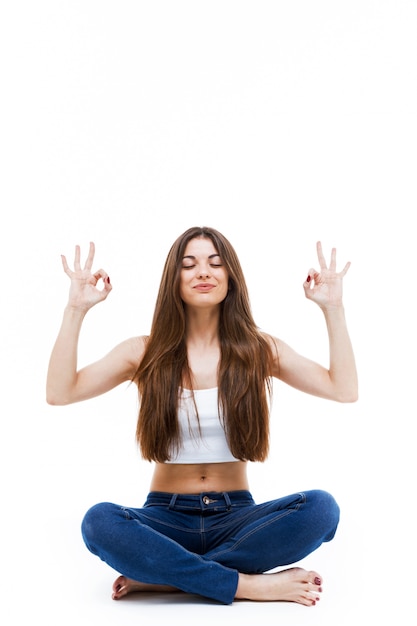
190 256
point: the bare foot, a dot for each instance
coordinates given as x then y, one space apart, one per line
122 586
290 585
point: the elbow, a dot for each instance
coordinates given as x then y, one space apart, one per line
50 398
348 396
346 391
54 399
350 399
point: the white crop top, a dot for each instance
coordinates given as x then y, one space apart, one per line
207 444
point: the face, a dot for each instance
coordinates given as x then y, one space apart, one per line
204 280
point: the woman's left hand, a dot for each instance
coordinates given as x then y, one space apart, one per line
325 287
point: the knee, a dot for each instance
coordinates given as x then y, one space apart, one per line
325 510
95 524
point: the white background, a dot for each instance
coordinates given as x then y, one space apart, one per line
278 123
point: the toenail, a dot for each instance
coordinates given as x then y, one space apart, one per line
317 580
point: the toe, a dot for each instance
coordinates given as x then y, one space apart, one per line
119 588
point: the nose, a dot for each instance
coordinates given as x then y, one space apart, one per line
203 273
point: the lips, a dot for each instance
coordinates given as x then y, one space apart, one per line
203 287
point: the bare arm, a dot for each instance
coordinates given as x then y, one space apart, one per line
339 381
65 383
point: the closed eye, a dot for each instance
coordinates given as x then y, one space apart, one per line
190 267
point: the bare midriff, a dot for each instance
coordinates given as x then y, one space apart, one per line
198 478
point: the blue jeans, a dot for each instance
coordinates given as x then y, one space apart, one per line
200 543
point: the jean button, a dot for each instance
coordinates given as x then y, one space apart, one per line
206 500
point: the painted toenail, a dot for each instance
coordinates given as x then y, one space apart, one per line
317 580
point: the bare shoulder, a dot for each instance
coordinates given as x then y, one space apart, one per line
121 363
132 349
287 363
275 343
276 346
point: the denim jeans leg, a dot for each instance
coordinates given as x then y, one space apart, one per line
143 554
280 532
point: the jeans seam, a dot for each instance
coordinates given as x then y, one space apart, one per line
236 544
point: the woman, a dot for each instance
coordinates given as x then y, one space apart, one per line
203 376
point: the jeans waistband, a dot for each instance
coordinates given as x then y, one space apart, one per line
205 501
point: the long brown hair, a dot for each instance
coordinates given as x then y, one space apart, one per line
244 383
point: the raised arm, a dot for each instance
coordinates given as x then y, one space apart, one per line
339 381
65 383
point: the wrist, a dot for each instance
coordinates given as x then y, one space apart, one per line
75 311
333 309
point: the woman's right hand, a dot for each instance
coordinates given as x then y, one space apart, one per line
84 292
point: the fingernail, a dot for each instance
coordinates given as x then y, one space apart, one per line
308 278
108 279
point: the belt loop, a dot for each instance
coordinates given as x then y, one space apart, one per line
173 500
227 500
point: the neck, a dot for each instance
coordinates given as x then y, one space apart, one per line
203 327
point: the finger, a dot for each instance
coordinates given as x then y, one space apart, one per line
320 256
89 262
332 265
309 281
65 265
107 285
77 258
102 275
345 269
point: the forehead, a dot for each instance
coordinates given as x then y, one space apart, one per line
200 247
